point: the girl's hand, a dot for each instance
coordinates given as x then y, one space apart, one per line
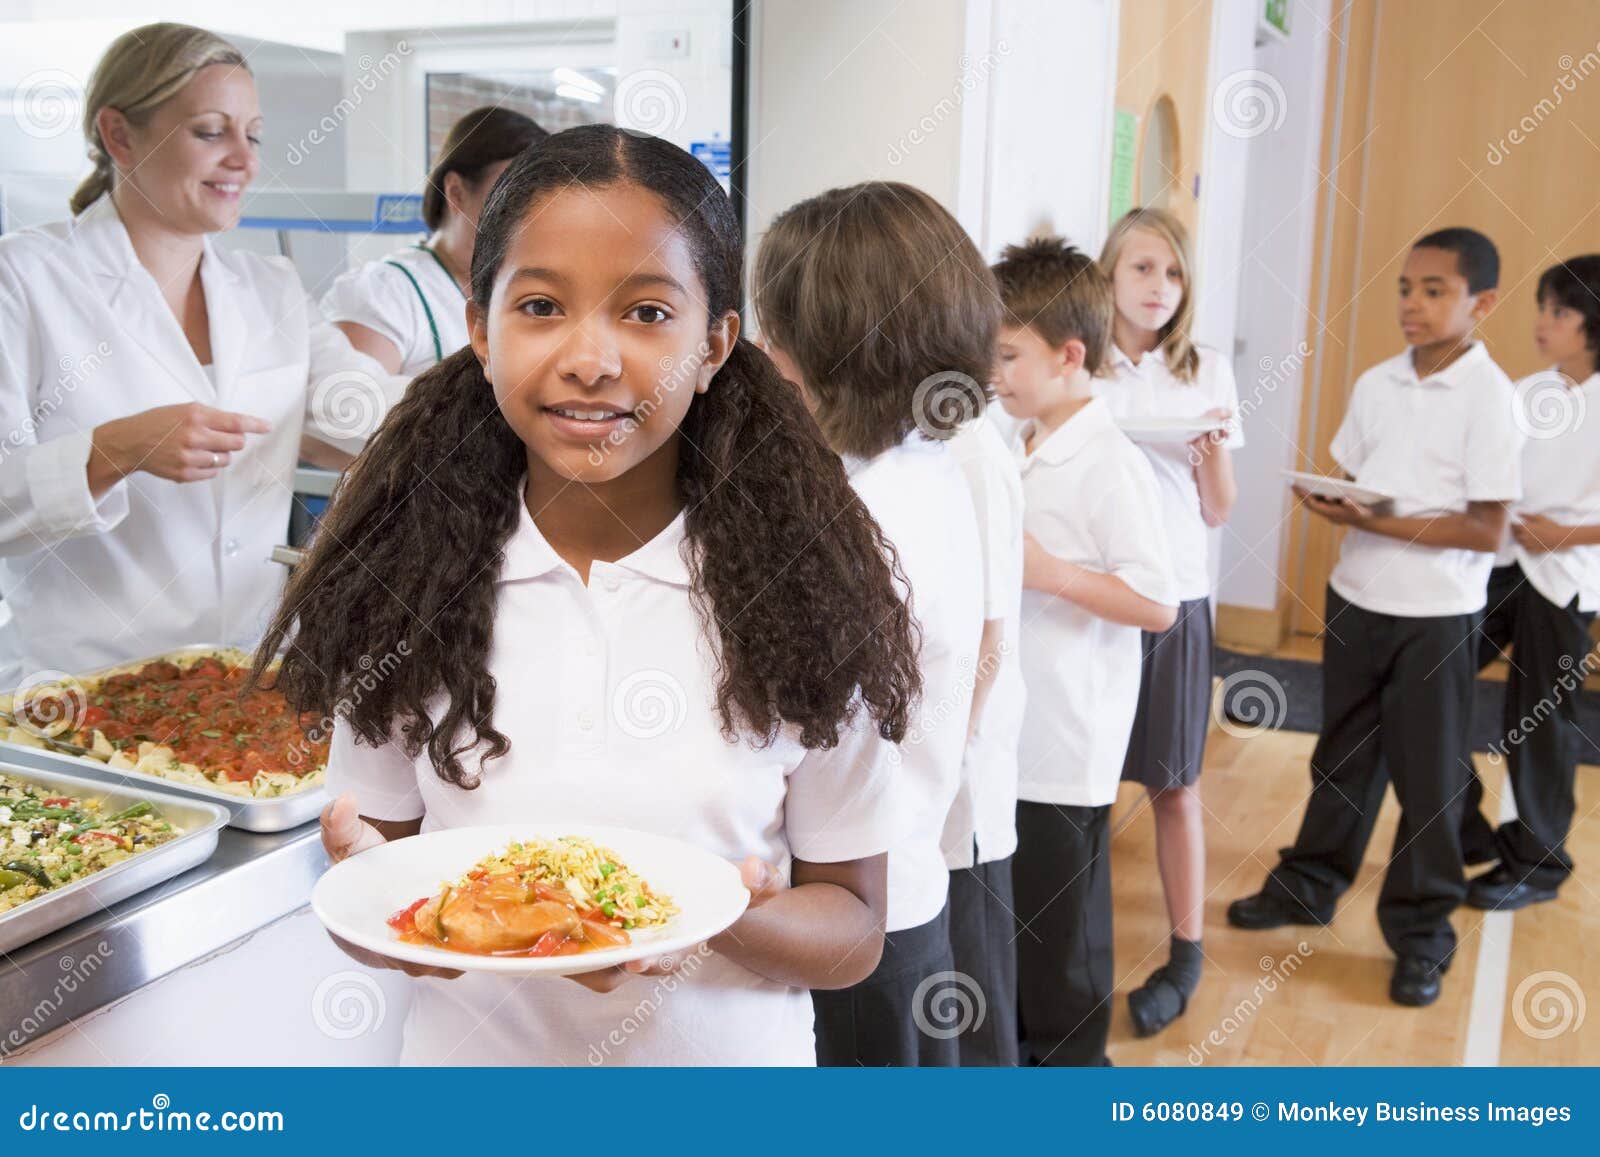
763 882
346 834
188 442
1202 446
1539 534
378 960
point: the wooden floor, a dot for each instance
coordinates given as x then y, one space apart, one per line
1319 996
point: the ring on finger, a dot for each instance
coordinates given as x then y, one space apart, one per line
216 460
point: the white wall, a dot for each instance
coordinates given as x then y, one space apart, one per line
1273 275
1048 150
970 100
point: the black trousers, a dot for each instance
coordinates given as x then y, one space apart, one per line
1541 738
1062 877
905 1013
983 932
1396 702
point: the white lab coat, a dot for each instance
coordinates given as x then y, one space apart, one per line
86 337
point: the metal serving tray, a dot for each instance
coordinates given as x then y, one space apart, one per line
200 822
273 814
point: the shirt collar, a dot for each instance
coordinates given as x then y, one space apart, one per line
528 555
1070 437
1402 369
103 240
1120 359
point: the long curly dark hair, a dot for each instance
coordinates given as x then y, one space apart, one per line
793 581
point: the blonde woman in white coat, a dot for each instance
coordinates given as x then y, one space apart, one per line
153 388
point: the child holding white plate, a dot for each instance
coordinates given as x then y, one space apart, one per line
637 590
1157 371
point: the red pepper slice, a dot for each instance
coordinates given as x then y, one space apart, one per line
548 944
405 920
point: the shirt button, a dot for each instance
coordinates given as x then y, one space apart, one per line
613 584
230 547
591 648
585 721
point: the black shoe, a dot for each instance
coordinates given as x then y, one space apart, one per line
1269 910
1477 857
1156 1003
1501 890
1416 981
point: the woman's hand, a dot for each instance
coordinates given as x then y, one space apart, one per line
763 882
1536 533
346 834
183 443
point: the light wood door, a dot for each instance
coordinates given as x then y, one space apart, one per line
1163 50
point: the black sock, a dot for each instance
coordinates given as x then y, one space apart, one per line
1183 969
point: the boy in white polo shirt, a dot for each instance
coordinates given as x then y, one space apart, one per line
1096 573
1543 596
980 833
865 295
1433 429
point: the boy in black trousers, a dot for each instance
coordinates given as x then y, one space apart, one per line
1432 429
1543 595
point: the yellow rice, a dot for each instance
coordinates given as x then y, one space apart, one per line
595 877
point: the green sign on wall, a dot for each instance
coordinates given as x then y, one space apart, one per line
1124 145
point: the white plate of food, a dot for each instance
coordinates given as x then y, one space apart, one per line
1157 431
1325 487
549 899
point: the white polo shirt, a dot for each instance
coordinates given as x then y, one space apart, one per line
919 497
1151 390
411 305
982 825
1560 480
1435 444
1092 499
606 694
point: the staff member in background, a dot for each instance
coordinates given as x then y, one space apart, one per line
409 309
154 389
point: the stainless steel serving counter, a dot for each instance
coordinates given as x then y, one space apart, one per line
252 880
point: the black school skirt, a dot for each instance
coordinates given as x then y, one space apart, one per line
1168 742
